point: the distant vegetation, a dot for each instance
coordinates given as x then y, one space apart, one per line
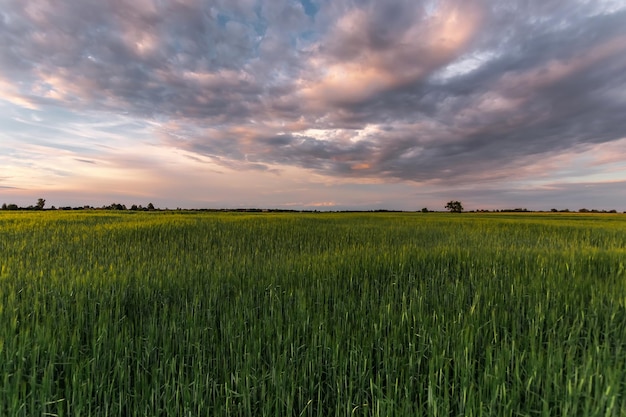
115 206
452 206
312 314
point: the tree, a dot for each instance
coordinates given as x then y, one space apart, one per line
40 204
454 206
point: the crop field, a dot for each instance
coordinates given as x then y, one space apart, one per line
106 313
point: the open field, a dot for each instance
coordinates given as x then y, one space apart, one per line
312 314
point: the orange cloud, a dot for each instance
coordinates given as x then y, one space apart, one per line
361 166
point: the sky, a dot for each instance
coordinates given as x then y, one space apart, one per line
314 104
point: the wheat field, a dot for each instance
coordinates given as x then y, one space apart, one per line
106 313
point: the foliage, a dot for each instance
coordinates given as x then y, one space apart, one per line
454 206
250 314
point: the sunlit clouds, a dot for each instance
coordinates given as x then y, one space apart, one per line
314 104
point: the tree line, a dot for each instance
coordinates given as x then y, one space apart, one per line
453 206
41 203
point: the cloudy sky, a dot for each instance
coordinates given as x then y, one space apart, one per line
314 104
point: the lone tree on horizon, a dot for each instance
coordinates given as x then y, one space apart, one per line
454 206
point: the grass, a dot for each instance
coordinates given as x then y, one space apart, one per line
325 314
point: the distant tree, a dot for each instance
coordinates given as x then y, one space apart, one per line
116 206
454 206
12 207
40 204
150 206
4 206
425 210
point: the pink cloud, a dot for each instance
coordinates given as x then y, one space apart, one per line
11 93
353 68
609 153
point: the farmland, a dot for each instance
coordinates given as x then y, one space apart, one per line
108 313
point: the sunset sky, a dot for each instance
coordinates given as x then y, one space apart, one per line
314 104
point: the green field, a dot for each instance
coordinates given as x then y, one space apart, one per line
312 314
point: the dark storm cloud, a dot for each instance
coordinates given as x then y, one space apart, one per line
443 90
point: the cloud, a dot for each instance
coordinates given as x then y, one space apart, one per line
365 54
571 196
435 92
